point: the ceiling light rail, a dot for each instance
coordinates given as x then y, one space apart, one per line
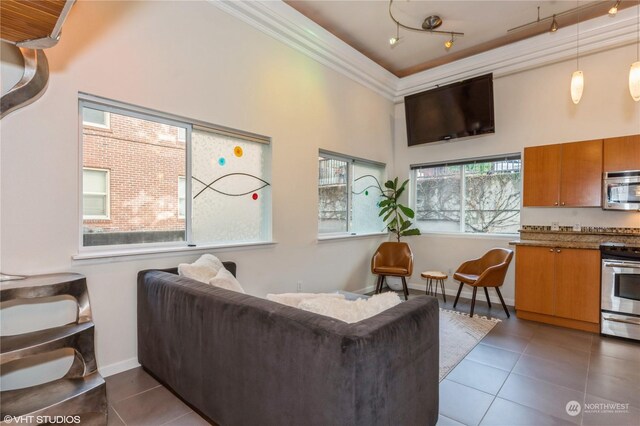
552 18
429 25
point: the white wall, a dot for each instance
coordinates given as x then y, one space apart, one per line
189 59
532 108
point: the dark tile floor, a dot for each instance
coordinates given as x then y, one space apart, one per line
521 373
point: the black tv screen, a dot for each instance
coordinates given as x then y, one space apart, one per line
453 111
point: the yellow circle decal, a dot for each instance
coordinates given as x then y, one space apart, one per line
237 151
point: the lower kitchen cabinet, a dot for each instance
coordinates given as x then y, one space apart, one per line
558 286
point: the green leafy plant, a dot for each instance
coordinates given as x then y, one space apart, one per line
397 217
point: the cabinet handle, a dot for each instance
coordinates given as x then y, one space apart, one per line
551 250
555 204
563 203
558 250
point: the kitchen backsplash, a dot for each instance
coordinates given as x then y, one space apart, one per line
583 230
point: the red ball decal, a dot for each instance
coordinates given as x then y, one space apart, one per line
254 196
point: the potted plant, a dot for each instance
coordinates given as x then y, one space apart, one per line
397 217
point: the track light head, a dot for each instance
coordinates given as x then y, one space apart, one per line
614 9
554 25
449 43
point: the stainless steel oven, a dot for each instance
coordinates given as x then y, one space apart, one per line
621 190
620 305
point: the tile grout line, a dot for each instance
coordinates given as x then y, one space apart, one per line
586 384
505 380
136 394
117 414
179 417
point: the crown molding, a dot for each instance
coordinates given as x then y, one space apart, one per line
284 23
289 26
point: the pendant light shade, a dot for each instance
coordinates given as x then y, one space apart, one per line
577 78
634 81
577 86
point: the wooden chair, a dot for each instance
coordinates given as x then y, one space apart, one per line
392 260
488 271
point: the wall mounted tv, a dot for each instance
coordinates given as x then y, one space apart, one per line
453 111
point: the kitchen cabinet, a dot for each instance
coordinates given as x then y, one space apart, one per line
541 180
621 153
563 175
558 286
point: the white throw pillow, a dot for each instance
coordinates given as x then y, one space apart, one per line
351 310
294 299
225 279
203 269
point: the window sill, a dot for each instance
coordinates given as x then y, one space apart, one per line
334 237
122 252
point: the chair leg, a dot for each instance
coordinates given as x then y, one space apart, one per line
378 284
405 289
442 287
486 293
506 311
458 295
473 301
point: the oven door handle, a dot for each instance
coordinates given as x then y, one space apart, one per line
616 318
622 265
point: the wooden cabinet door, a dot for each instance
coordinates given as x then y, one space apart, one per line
541 179
622 153
581 176
535 279
577 289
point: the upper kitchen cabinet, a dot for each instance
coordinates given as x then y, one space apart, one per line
621 154
541 180
564 175
581 176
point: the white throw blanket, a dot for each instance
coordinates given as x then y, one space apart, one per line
334 305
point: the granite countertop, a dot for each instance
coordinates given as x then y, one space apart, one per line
559 244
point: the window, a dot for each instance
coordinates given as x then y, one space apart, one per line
95 194
475 196
182 134
95 118
182 192
348 195
210 189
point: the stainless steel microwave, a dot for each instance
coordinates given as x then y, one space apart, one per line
621 190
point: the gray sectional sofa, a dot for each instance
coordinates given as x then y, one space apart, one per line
241 360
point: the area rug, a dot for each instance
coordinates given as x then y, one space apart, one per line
459 334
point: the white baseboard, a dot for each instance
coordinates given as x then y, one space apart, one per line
118 367
364 290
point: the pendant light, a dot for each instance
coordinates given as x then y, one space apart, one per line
634 72
577 78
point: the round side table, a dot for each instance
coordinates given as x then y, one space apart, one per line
439 278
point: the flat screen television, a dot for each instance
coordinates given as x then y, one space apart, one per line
453 111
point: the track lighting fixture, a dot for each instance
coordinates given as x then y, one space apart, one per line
449 43
614 9
395 40
554 25
429 25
